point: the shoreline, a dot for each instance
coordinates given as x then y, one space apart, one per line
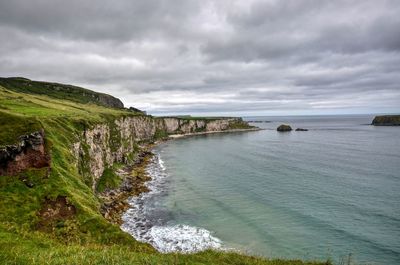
115 202
175 136
148 223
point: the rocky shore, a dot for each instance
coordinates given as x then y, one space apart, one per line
133 179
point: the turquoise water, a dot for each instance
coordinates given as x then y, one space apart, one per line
325 193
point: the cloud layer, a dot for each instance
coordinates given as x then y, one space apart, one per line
213 57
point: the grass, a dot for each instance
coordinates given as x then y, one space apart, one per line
87 238
47 251
109 180
59 91
239 124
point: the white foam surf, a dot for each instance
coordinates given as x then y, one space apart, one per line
146 220
161 162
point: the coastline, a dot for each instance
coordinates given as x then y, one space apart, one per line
134 177
175 136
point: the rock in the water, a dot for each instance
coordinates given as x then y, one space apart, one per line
301 130
284 128
387 120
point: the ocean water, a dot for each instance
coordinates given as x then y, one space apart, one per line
325 193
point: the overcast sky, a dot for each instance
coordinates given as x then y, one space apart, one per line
206 57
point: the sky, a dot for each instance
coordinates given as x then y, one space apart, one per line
222 57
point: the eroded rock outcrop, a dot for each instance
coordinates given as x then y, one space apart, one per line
29 152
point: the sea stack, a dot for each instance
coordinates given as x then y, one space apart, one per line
284 128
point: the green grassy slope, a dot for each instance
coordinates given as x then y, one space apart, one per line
60 91
86 238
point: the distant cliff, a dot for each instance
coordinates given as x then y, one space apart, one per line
60 91
116 141
386 120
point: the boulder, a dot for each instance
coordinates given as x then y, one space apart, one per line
301 130
284 128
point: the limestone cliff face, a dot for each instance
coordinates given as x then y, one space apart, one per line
219 125
171 124
117 142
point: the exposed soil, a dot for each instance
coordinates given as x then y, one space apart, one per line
53 211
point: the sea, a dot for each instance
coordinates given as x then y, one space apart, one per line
332 192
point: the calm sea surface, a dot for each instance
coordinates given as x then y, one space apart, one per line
325 193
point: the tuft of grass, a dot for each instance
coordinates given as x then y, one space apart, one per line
160 134
14 126
239 124
109 180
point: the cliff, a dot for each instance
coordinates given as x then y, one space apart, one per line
117 141
387 120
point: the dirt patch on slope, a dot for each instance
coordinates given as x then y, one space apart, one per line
53 211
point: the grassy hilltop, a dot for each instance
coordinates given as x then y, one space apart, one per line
84 236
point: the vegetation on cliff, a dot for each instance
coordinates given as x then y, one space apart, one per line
52 214
60 91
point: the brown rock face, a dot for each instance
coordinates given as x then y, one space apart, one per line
29 152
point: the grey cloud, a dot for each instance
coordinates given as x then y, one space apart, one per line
299 29
111 20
